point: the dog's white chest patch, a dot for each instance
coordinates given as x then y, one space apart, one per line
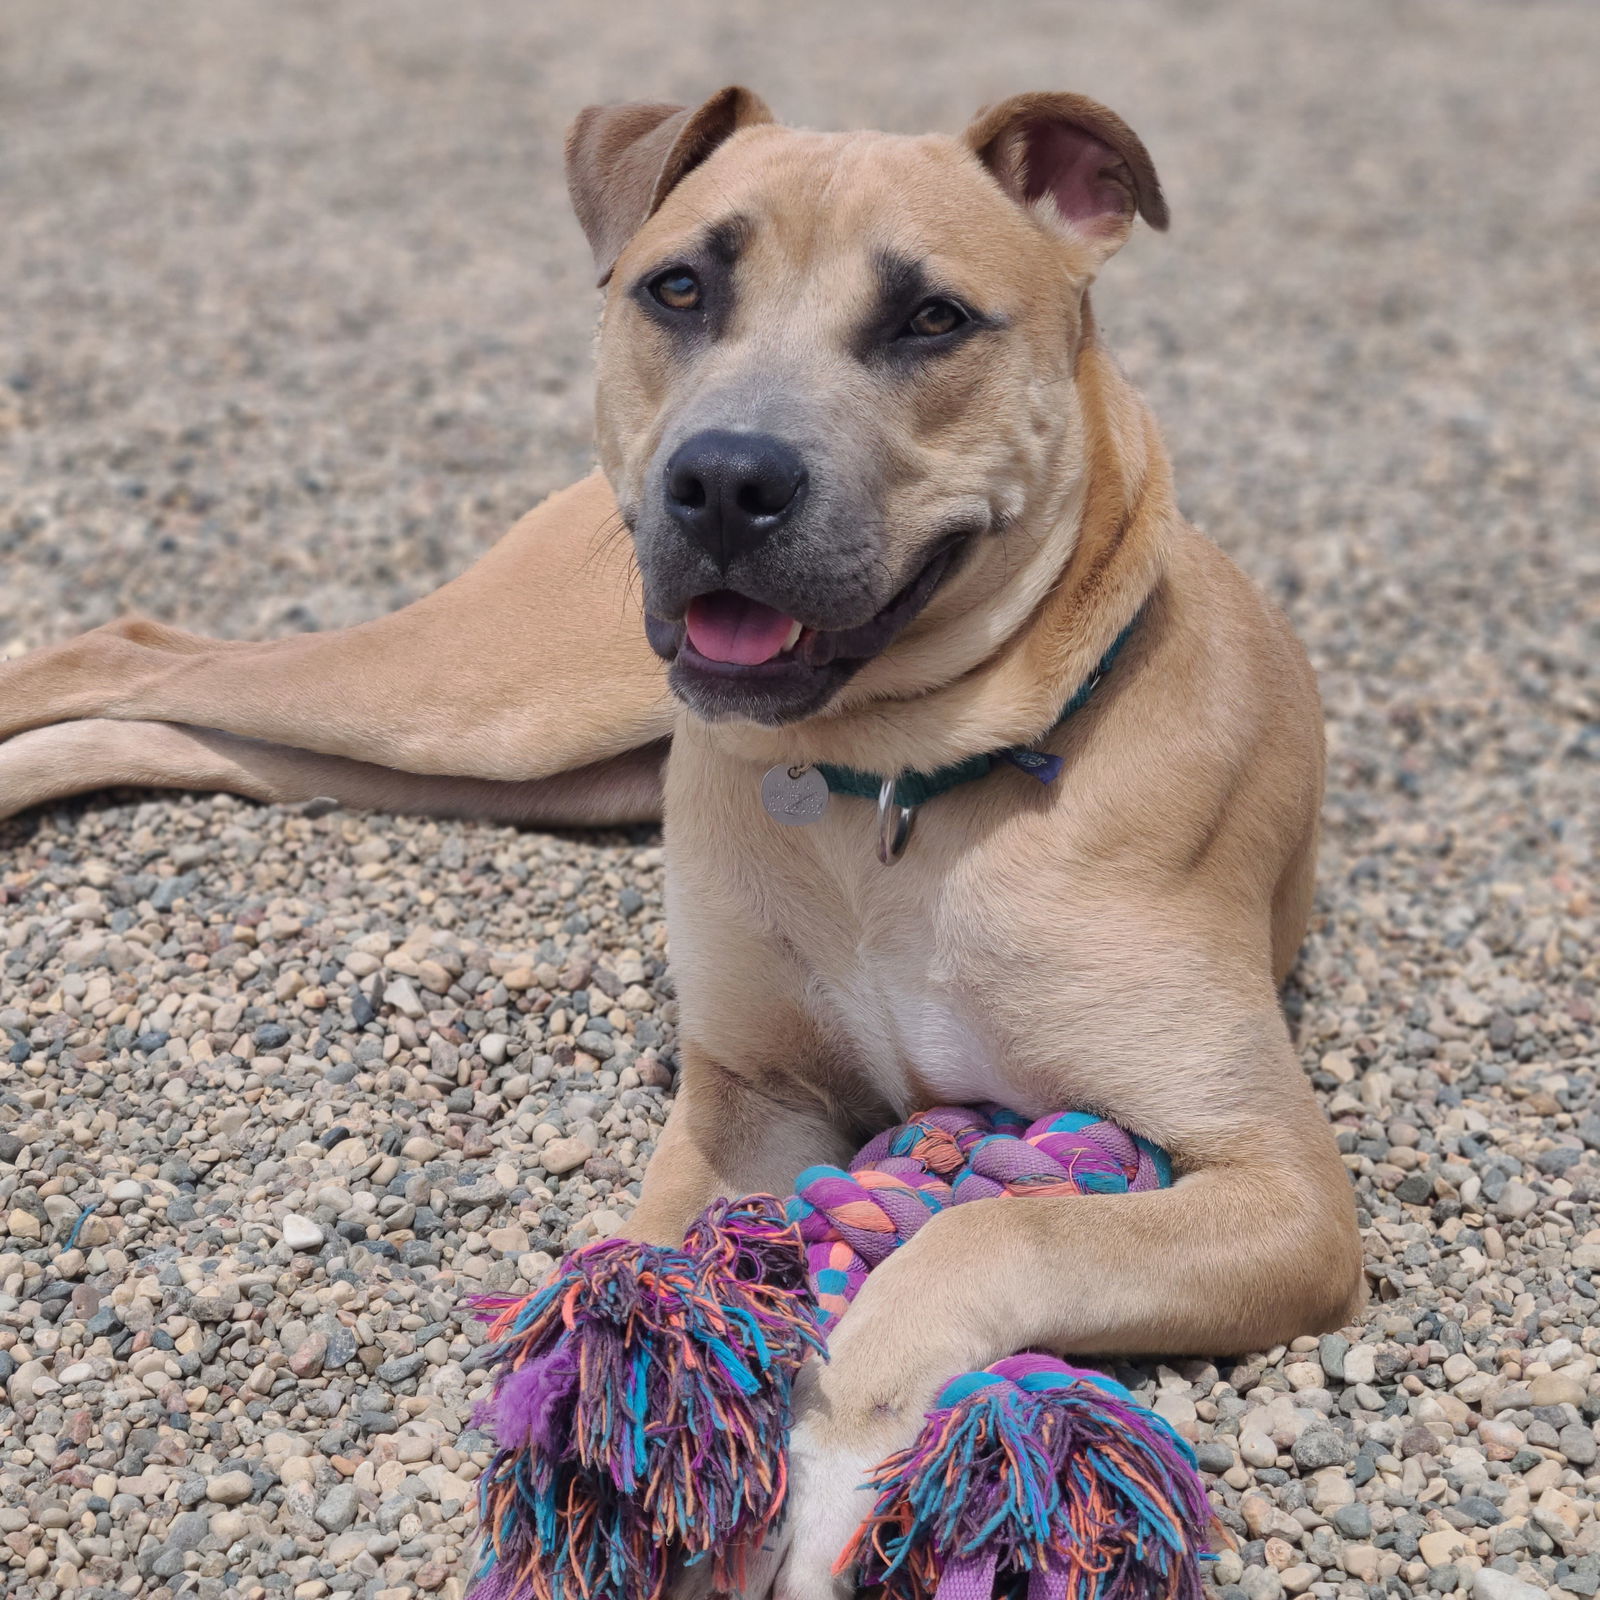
911 1032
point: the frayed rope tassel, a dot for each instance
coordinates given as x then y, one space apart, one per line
1034 1480
641 1410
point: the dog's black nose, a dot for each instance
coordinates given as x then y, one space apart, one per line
728 491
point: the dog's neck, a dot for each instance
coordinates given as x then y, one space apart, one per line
1102 552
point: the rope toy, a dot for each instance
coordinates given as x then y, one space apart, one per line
644 1398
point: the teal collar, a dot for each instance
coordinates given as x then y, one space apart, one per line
913 789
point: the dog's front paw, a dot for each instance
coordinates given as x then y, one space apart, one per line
867 1402
828 1473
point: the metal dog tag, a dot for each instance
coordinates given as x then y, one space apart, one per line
794 796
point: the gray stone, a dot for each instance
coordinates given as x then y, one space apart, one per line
1582 1576
1353 1521
1261 1583
1576 1441
401 1369
188 1529
1331 1348
338 1508
1320 1446
1478 1512
393 1508
482 1192
169 891
341 1341
168 1563
214 1302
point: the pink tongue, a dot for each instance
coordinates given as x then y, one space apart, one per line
727 627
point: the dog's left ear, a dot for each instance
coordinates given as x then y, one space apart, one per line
623 160
1073 160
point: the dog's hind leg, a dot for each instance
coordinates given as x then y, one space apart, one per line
531 664
70 758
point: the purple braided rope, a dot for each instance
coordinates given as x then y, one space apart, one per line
951 1155
938 1139
1061 1154
853 1221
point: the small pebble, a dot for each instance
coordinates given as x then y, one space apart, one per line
229 1488
301 1233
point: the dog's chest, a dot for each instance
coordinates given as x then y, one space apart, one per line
917 1038
905 974
891 980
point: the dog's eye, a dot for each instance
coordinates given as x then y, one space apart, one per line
677 289
934 318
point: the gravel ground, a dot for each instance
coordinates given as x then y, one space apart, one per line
295 323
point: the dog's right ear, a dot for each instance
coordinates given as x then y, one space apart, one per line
622 161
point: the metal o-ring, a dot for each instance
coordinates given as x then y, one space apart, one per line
894 824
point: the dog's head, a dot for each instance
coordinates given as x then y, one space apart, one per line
837 400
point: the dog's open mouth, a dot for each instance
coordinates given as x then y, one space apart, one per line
734 631
733 655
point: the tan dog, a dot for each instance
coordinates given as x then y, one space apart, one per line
892 504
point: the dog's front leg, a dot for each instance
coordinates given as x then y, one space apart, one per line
730 1133
1255 1244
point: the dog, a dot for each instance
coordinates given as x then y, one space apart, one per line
990 779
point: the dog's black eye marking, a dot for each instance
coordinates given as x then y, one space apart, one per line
914 316
726 239
693 293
